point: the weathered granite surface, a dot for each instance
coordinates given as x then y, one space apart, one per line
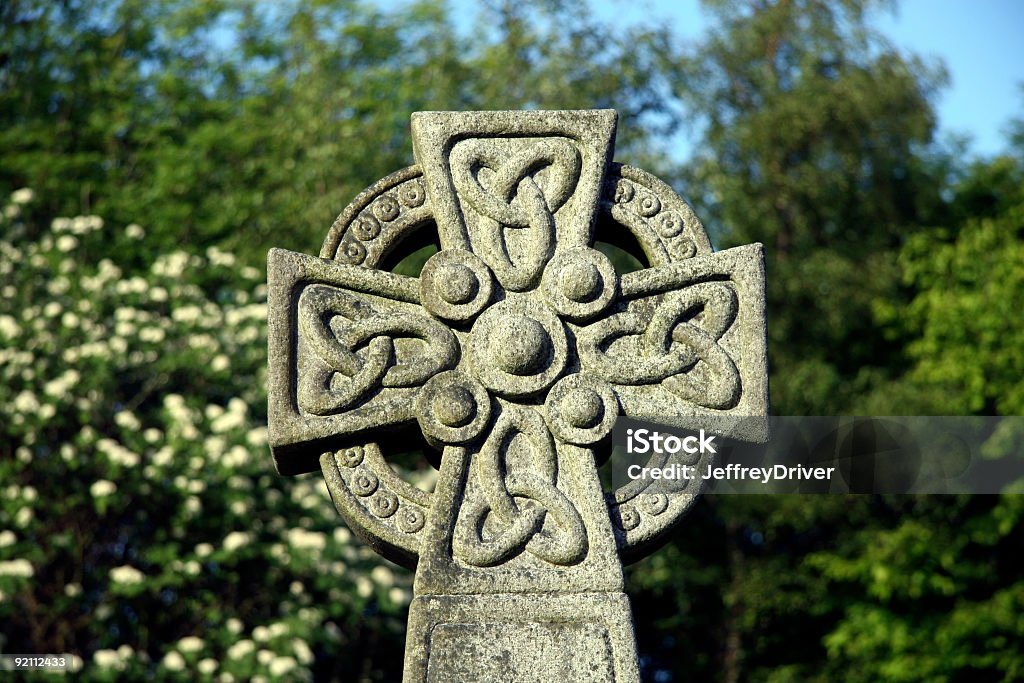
512 353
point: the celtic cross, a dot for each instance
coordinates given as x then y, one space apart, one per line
512 353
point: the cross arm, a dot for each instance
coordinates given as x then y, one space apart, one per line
349 348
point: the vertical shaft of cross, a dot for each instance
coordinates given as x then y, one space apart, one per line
467 619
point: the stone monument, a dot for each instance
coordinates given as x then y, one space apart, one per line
512 354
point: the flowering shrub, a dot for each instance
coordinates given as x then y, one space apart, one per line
142 526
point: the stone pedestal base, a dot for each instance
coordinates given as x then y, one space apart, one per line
517 638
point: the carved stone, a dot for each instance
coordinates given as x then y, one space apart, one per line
512 353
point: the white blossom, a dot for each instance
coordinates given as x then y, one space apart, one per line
235 540
106 659
241 649
193 505
173 661
398 595
382 576
23 517
23 195
257 437
20 567
58 285
220 258
163 457
60 386
214 446
232 418
302 651
66 243
9 327
127 420
133 285
237 457
152 335
171 265
26 402
116 453
102 488
306 540
126 574
279 666
190 644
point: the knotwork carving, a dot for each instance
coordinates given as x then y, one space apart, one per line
514 353
676 347
349 338
521 191
520 506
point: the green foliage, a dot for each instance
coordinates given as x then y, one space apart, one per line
968 344
225 122
814 132
890 291
936 597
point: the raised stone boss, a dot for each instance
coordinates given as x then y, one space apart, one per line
512 353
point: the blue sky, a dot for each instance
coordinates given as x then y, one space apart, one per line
980 42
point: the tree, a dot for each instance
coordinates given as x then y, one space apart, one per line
968 336
226 122
815 133
817 141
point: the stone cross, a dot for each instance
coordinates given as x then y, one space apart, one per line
512 353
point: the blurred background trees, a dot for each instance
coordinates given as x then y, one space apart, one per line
150 154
